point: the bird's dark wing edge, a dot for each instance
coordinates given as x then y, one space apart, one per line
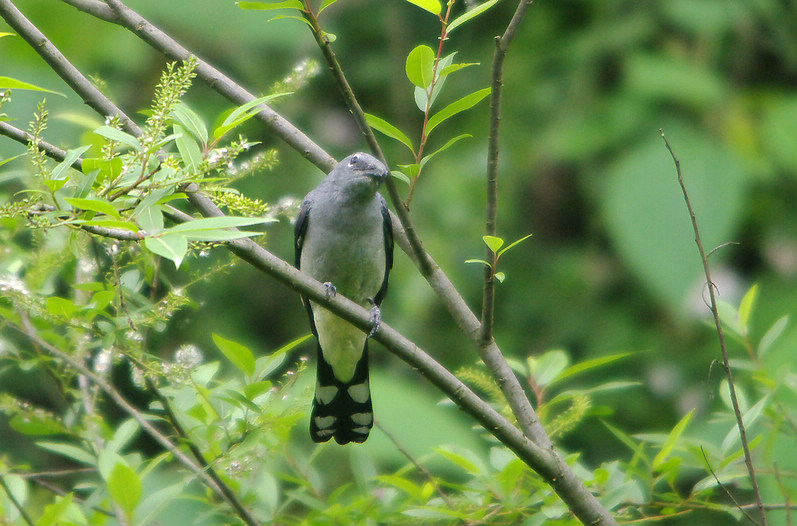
299 230
387 227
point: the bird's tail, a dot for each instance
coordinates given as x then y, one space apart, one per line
341 409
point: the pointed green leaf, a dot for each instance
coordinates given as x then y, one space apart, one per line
420 66
110 223
465 103
493 243
243 113
746 307
410 170
108 168
9 83
215 223
191 121
170 246
500 276
447 145
220 235
118 136
55 514
69 451
400 176
60 171
771 335
388 129
94 204
547 368
433 6
421 97
267 6
586 365
325 4
447 70
188 148
478 261
470 15
240 356
124 486
672 440
522 239
4 161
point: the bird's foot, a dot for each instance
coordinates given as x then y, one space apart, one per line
331 290
374 318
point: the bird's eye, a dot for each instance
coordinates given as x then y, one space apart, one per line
353 160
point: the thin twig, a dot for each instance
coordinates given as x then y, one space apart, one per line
724 489
425 472
748 459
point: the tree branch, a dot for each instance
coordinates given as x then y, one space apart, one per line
748 459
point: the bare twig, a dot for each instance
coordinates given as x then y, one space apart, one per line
724 489
748 459
15 502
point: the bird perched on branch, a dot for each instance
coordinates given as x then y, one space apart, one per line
344 239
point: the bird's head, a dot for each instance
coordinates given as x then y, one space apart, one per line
360 172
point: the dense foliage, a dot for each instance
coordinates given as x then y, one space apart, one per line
109 291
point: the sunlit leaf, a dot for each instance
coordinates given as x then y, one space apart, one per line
522 239
420 66
672 440
188 148
470 15
746 308
243 113
771 335
433 6
325 4
388 129
465 103
240 356
94 204
173 247
493 243
267 6
118 136
124 486
9 83
191 121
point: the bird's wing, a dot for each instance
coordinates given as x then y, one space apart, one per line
387 227
299 231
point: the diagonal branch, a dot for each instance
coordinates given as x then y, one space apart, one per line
748 459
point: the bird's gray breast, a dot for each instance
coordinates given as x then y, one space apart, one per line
345 245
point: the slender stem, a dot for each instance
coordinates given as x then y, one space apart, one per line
748 459
15 502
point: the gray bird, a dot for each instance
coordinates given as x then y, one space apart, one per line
344 239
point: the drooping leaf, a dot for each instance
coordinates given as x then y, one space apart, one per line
188 148
420 66
465 103
60 171
191 121
240 356
388 129
470 15
401 176
69 451
171 246
94 204
118 136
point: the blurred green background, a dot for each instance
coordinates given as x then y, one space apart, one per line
612 265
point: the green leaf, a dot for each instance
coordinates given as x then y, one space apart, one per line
118 136
215 223
4 161
325 4
31 424
410 170
60 171
422 98
54 514
95 204
420 66
69 451
191 121
493 243
447 70
465 103
771 335
243 113
470 15
446 146
109 168
9 83
388 129
500 276
478 261
61 306
173 247
586 365
746 308
124 486
239 356
294 17
468 464
407 486
547 368
400 176
522 239
672 440
433 6
220 235
267 6
188 148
